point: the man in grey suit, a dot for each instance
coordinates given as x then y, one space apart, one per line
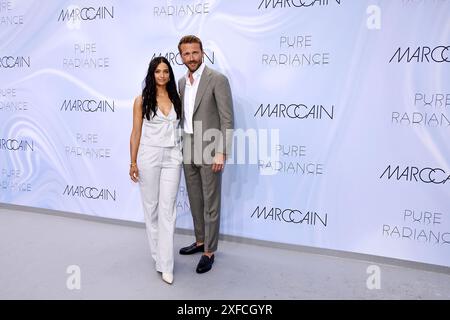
207 125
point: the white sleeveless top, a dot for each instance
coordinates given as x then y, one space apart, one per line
161 131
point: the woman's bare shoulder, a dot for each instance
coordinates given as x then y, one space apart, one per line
138 99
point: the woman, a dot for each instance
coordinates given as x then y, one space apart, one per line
156 158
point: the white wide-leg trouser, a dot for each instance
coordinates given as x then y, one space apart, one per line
159 178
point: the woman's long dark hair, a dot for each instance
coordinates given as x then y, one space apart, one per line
149 90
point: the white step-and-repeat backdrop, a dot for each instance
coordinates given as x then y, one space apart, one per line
342 109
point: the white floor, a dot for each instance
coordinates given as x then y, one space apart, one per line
36 250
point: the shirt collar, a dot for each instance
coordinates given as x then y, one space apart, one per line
197 74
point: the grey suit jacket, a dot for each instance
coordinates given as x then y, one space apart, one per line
212 118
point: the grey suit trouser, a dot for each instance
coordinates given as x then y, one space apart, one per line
204 191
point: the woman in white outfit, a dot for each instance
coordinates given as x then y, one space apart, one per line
156 158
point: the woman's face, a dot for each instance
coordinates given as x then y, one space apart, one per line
162 74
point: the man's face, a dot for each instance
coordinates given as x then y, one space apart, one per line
192 56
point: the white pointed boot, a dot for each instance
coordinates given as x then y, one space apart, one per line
167 277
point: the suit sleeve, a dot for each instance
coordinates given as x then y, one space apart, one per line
224 100
179 86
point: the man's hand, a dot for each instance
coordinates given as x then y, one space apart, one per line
218 162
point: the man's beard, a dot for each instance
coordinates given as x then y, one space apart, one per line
194 68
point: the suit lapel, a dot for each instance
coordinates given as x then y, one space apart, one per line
204 81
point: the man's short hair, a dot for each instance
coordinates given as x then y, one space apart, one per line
190 39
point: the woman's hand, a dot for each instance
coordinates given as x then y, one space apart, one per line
134 173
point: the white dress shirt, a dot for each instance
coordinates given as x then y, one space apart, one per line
190 92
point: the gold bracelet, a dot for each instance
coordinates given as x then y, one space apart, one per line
133 164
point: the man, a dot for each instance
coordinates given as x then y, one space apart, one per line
208 115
